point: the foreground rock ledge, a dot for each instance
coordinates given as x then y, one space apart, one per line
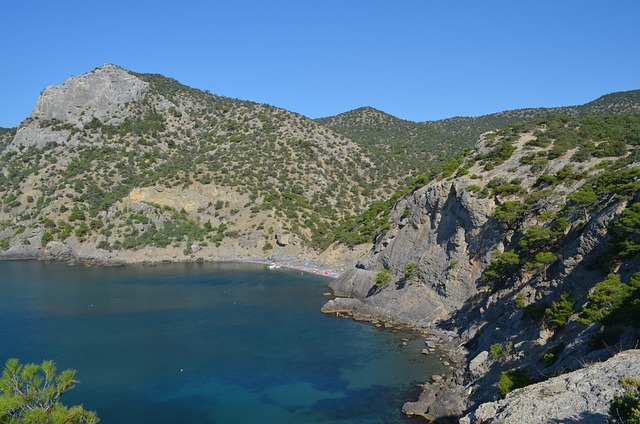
582 396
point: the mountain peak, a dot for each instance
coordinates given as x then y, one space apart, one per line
100 94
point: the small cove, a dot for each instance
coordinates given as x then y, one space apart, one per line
206 343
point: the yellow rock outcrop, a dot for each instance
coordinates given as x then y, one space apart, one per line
190 199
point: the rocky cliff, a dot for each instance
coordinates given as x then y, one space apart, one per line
582 396
503 251
103 94
438 227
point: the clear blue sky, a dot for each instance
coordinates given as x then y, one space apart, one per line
415 59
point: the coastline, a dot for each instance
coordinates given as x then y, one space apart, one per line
314 266
331 271
449 385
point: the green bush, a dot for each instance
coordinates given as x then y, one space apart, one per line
613 302
626 233
500 265
625 408
76 214
474 188
535 239
512 380
46 238
81 230
104 245
551 355
4 243
606 297
496 351
502 152
409 270
501 187
510 212
383 277
561 311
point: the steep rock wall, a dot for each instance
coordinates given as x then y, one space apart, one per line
448 234
580 396
103 94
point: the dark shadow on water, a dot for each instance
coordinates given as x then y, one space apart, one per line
372 404
189 409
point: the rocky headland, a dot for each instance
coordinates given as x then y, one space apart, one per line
484 259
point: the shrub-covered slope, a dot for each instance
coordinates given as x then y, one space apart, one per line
404 148
412 148
113 161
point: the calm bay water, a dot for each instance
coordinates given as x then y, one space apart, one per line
205 343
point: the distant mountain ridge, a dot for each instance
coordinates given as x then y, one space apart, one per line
431 141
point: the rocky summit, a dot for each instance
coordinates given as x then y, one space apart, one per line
510 240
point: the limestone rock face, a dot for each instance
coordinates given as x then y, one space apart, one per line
580 396
58 250
439 228
101 93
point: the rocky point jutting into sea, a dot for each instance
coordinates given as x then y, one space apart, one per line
518 256
487 258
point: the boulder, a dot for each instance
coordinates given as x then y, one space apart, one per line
476 363
58 250
356 283
282 239
580 396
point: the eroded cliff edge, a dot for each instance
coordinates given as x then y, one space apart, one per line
581 396
501 256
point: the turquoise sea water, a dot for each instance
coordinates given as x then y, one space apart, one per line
205 343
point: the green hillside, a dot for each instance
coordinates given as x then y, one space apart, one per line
413 148
116 182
